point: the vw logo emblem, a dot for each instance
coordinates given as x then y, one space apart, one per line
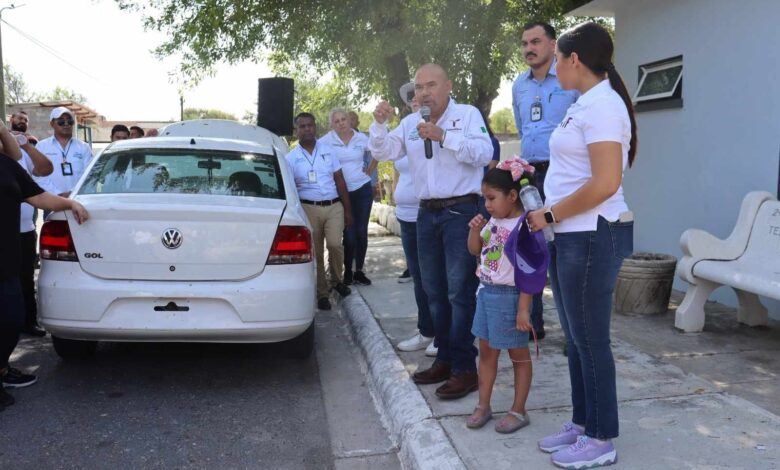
171 238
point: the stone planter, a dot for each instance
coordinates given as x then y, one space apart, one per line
644 284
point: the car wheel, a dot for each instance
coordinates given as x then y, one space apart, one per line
302 345
73 349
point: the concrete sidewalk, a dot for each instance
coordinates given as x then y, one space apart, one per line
704 400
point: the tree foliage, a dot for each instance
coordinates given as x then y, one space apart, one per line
61 93
202 113
375 45
16 90
503 122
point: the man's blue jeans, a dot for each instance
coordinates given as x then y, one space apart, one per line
356 235
583 272
409 242
449 278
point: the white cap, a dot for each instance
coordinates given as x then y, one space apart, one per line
59 111
407 92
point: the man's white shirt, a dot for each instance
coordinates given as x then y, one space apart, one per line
323 162
76 153
456 168
26 223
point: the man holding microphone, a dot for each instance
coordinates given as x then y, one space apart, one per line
448 146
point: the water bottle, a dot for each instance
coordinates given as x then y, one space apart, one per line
532 201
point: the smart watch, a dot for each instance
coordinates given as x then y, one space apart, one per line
549 217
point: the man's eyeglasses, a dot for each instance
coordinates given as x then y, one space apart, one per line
64 122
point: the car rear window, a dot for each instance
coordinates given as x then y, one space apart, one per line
185 171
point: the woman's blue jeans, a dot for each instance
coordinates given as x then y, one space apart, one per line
409 242
356 235
583 272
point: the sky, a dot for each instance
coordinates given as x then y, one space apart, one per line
105 54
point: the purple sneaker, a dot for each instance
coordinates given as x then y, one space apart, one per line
562 439
586 453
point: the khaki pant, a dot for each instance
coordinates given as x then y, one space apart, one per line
327 222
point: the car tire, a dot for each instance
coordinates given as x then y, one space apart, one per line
302 345
72 349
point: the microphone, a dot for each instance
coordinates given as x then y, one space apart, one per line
425 112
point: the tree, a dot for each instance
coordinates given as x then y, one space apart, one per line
16 88
249 117
202 113
319 96
64 94
375 45
503 122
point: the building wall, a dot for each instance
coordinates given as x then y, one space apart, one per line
38 124
695 164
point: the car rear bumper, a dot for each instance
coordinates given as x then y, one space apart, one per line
266 332
275 306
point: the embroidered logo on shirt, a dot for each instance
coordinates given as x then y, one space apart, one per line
414 135
484 131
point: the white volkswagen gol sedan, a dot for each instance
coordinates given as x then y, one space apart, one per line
191 238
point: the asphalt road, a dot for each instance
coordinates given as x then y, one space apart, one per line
166 405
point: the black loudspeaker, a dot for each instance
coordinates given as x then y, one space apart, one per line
275 103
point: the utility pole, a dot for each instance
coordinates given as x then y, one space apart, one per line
181 107
2 66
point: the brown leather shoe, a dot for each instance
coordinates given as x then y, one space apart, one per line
458 386
438 372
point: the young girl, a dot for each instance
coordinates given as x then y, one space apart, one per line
502 318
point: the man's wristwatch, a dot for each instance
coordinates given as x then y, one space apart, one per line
549 217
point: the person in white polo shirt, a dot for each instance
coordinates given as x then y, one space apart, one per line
446 157
323 193
589 151
69 155
406 207
350 146
35 164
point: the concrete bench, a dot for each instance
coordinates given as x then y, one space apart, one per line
748 261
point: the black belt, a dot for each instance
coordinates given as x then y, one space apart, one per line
438 204
320 203
540 166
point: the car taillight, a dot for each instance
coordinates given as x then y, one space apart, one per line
56 242
292 245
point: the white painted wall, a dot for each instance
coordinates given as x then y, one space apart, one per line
695 164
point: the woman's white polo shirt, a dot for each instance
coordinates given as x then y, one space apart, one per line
599 115
350 156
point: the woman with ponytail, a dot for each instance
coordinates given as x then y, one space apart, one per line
589 151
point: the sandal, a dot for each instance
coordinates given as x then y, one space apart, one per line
474 422
512 422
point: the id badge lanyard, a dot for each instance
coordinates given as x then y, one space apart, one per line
312 173
536 109
67 168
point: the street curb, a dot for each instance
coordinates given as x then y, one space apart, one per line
421 438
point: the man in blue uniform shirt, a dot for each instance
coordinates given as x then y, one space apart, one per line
539 105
